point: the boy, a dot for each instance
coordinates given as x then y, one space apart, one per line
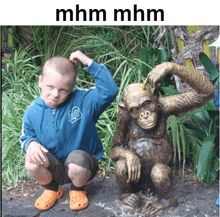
58 132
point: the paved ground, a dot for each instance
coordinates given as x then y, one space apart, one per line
195 200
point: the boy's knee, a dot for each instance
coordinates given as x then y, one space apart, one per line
79 158
30 167
74 169
80 162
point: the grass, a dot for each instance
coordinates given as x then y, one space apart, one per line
19 90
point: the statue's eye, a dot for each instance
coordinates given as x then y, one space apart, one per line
148 105
134 110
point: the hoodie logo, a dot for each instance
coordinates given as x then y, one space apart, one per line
74 114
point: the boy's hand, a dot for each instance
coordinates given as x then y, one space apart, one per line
35 153
77 56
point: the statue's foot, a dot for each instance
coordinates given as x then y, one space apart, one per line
130 203
131 200
151 207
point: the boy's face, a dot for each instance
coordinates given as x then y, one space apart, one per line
55 87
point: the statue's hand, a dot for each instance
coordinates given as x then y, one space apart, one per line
134 167
158 72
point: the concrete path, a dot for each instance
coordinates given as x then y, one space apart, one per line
195 200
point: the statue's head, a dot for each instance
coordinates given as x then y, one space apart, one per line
142 104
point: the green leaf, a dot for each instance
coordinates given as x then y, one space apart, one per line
204 156
183 139
164 55
201 119
209 177
210 106
170 90
216 82
189 115
12 110
210 68
217 166
213 174
145 58
195 131
152 61
214 115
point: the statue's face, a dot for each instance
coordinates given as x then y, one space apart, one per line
142 107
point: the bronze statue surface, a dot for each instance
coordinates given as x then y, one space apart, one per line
140 145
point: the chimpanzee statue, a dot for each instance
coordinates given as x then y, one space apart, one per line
140 145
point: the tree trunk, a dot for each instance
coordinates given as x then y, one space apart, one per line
188 42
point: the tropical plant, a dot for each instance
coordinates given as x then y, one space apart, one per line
208 165
195 137
19 90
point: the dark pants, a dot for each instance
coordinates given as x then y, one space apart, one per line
59 170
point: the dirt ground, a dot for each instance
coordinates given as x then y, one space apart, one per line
27 187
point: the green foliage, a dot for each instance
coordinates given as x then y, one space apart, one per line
206 124
195 137
204 170
48 41
210 68
208 164
19 90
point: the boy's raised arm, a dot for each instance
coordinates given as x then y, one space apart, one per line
77 56
105 90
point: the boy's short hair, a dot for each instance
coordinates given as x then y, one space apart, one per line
61 64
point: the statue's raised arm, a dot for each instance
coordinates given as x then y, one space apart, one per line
202 88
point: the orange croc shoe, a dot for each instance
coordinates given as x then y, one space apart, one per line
48 199
78 200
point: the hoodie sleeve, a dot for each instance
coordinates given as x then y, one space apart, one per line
106 89
28 133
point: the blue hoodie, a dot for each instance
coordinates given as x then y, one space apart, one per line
71 126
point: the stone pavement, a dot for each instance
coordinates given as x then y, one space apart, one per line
195 200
